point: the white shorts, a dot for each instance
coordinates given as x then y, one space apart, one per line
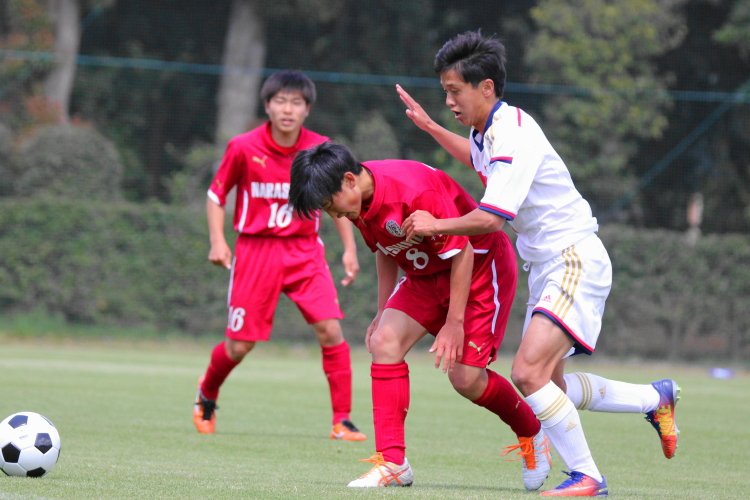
571 290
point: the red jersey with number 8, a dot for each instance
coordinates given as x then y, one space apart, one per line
260 169
401 188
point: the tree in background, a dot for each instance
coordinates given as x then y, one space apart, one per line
701 65
607 47
736 140
4 19
243 59
26 27
152 113
388 38
737 29
244 55
66 16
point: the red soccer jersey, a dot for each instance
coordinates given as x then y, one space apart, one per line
261 169
401 188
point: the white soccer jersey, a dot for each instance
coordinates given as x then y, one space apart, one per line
528 184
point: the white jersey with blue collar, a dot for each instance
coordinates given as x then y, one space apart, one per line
527 183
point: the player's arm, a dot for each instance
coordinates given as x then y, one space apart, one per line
457 146
227 176
478 221
449 342
350 261
387 277
220 253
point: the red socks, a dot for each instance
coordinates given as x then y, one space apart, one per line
390 402
501 398
218 370
337 366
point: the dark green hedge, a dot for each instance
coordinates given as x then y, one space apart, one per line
117 263
676 301
127 264
669 300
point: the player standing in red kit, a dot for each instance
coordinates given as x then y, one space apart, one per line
275 251
459 289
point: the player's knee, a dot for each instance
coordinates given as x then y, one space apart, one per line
463 385
523 377
383 342
238 349
329 333
468 381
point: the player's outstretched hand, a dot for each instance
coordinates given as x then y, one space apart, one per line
221 255
351 266
449 345
371 329
414 110
419 223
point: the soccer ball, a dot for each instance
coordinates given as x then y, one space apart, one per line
29 445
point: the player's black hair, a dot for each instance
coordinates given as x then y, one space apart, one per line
475 58
289 80
317 174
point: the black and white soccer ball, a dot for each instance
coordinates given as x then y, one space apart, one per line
29 445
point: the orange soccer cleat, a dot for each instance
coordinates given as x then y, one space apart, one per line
663 417
535 452
204 412
384 474
345 430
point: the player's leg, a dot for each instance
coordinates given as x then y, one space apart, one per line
224 357
337 367
594 393
494 278
586 280
254 288
394 337
543 346
657 400
309 284
487 389
566 304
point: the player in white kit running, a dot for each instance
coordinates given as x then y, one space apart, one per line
570 274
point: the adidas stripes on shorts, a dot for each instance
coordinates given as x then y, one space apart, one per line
571 290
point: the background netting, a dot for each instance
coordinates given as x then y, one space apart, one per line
647 102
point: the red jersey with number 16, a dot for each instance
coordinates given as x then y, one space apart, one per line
261 169
401 188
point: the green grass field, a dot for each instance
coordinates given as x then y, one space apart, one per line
123 412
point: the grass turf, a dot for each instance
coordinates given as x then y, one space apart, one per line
123 413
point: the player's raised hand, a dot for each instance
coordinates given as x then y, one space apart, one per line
351 266
220 255
414 110
419 223
449 345
371 329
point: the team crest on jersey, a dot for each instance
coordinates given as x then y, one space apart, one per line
392 227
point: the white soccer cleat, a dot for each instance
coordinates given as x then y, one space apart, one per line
384 474
537 460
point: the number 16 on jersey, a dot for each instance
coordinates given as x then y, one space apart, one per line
280 216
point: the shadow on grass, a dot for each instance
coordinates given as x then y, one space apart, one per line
457 487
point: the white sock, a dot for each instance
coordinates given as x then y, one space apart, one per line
592 392
562 425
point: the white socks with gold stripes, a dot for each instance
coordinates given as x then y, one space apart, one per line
592 392
562 426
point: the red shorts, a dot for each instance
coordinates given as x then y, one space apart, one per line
264 267
493 285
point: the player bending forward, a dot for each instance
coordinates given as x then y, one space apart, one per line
570 274
275 252
457 288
